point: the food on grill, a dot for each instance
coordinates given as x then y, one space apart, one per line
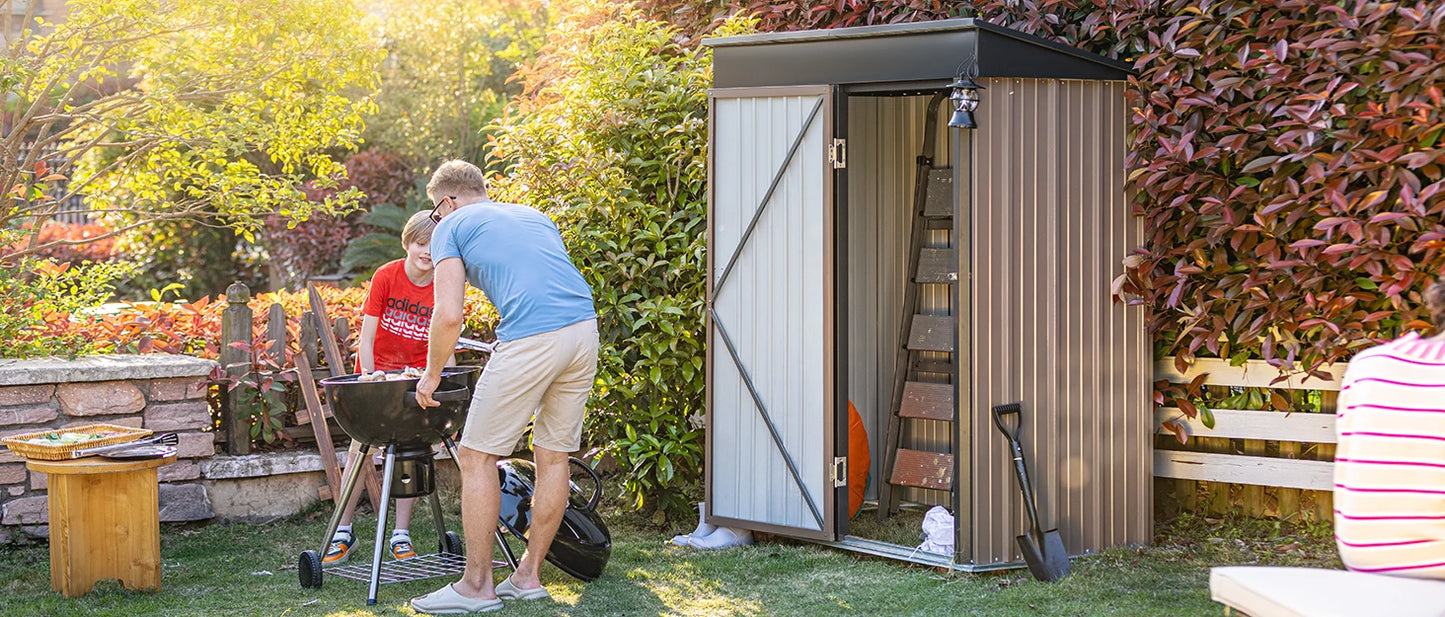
410 372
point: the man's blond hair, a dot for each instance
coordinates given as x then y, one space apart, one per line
456 177
418 229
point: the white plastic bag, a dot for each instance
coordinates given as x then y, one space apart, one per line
937 531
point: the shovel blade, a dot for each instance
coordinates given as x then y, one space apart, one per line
1047 559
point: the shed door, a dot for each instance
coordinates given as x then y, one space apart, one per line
771 339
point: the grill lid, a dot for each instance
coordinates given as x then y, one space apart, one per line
582 545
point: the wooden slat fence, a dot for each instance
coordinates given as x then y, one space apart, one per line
1256 462
236 325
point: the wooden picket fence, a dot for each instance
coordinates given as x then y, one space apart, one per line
236 325
1256 462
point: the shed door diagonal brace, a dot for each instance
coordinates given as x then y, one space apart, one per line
767 418
768 196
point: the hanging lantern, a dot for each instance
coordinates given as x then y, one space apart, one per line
965 101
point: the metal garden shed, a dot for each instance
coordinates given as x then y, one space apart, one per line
861 249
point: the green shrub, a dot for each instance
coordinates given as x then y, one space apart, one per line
611 141
204 259
447 73
41 300
382 242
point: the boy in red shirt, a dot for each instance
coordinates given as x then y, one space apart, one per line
394 324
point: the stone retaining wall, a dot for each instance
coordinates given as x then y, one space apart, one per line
164 393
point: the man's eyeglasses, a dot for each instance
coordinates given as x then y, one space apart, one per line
437 218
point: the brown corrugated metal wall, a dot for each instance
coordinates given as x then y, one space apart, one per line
1050 226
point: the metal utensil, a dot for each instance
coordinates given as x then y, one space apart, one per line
164 439
474 344
139 452
1044 551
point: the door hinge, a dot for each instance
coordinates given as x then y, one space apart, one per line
838 154
840 471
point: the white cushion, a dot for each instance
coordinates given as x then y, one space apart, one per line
1315 592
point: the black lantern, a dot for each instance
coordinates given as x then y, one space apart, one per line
965 101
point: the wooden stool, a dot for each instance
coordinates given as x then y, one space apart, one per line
104 522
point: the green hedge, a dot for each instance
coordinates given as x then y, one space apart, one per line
610 138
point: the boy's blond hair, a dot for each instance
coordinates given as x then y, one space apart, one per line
457 177
418 229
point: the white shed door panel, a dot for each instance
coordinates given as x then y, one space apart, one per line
770 330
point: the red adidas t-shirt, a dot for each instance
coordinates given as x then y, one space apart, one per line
404 310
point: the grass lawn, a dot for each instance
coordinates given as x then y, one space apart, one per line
237 570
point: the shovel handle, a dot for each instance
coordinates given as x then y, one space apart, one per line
1026 487
1016 451
1010 430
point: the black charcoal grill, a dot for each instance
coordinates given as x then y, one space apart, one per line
384 414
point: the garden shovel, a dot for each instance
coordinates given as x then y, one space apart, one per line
1043 550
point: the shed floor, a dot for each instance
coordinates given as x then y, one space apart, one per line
903 529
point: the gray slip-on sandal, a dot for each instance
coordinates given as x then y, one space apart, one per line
446 601
506 590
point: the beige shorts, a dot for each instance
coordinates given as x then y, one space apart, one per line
547 375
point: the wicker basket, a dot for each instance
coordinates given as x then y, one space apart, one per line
60 452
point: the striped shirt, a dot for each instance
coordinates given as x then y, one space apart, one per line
1390 463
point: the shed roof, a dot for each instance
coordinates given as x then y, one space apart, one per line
914 54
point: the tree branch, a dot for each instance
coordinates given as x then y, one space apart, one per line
157 218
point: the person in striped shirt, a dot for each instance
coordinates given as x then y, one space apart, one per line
1390 463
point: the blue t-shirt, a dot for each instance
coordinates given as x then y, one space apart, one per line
514 254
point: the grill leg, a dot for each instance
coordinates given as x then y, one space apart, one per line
381 524
506 549
353 471
451 447
436 512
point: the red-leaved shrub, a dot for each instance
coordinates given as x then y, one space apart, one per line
315 246
86 247
1285 154
194 328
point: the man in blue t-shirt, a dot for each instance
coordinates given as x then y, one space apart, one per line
543 364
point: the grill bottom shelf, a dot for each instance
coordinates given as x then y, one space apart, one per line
414 569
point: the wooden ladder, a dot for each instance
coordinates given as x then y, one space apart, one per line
914 399
317 411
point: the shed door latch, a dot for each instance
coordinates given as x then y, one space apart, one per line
838 153
840 471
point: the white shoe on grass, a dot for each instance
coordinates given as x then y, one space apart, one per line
723 537
703 529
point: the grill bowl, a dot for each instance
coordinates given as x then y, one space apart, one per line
379 413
